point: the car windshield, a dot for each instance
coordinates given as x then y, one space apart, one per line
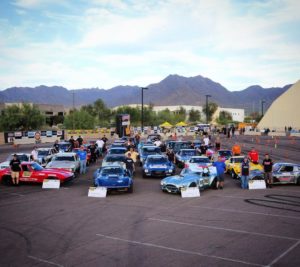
63 146
43 152
188 152
64 158
117 151
157 160
36 167
114 159
151 150
111 171
20 157
238 160
225 153
199 160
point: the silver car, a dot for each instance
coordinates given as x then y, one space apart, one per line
21 156
45 155
68 161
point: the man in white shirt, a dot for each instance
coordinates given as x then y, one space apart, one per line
34 154
100 144
206 141
157 143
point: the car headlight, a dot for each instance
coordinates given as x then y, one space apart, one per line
146 170
170 170
162 182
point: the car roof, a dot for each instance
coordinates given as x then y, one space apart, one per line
156 156
199 157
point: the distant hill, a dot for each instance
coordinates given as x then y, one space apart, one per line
173 90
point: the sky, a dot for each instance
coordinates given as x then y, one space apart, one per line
106 43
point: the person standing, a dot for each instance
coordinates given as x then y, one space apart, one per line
268 168
82 158
72 142
221 167
218 142
133 154
80 140
253 155
15 167
245 171
93 153
236 150
100 144
104 139
129 164
34 154
56 146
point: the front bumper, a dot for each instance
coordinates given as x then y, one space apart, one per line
158 173
171 188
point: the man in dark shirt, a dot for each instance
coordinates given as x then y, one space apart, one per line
268 168
56 146
104 139
72 142
80 140
245 170
15 166
129 164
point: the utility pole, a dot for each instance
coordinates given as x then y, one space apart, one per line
73 122
207 96
262 107
142 118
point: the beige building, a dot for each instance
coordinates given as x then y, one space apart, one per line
284 111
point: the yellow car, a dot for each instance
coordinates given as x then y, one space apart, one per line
233 166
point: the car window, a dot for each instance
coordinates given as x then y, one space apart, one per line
225 153
43 152
188 152
157 160
199 160
64 158
111 171
286 168
238 160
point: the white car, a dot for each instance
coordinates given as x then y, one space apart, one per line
21 156
45 155
114 159
68 161
198 163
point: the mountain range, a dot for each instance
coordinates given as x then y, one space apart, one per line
173 90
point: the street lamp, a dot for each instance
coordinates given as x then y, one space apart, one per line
142 119
207 96
262 107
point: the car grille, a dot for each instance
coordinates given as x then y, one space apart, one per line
171 188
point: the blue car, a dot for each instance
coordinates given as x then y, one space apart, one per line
113 177
158 165
184 155
188 178
147 151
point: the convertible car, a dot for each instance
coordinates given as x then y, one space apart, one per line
158 165
113 177
35 173
233 166
188 178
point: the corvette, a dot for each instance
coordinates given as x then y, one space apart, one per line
113 177
184 155
35 173
158 165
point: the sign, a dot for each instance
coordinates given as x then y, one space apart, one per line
257 184
49 133
31 134
97 192
190 192
51 184
125 120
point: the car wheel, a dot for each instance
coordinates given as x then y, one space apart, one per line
130 190
6 180
193 184
214 183
233 175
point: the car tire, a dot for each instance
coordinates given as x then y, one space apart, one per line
193 184
130 190
214 183
6 180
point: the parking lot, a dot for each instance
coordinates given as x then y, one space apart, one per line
229 227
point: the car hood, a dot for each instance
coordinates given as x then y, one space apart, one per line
113 181
61 164
157 166
178 180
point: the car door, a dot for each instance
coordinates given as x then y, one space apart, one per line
26 174
286 174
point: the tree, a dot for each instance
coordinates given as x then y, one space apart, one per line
224 118
81 119
25 117
134 112
194 115
179 115
102 112
212 107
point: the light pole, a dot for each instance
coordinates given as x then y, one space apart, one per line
142 119
262 107
207 96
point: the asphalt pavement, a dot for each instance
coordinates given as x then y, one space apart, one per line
229 227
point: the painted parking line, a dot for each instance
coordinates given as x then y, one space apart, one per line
248 212
284 253
44 261
224 229
190 252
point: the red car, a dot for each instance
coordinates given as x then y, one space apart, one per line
33 172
